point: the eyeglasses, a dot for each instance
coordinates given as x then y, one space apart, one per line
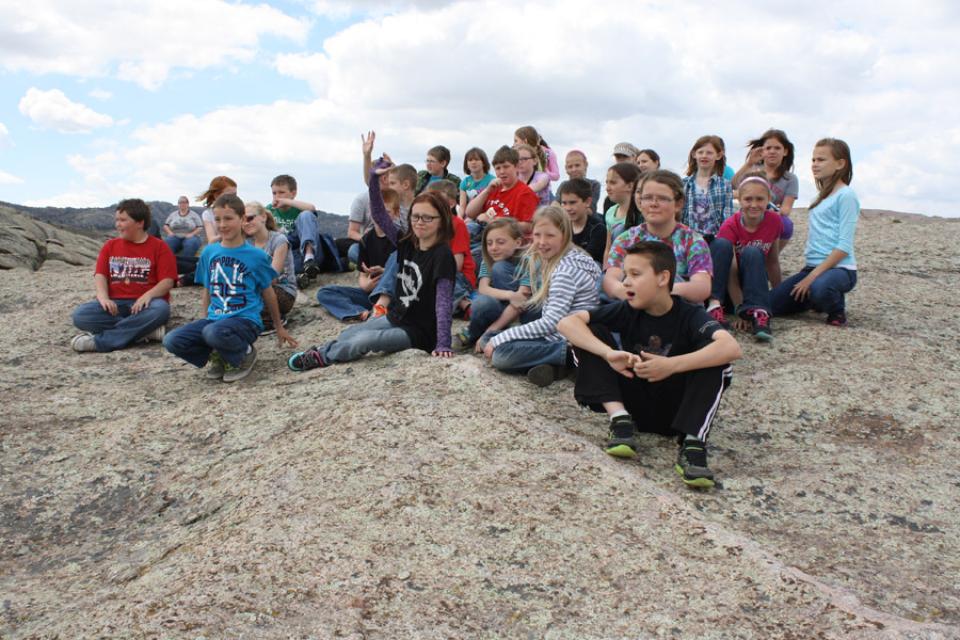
416 217
250 218
527 158
661 199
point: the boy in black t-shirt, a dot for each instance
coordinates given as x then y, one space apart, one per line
589 229
671 372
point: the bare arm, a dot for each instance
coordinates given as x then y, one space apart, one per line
167 230
368 141
613 285
303 205
478 204
463 204
273 308
211 231
786 207
577 332
279 258
102 285
354 231
696 290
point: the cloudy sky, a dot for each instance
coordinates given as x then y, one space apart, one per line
106 99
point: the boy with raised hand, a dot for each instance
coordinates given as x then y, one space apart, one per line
297 219
671 372
133 278
589 229
504 197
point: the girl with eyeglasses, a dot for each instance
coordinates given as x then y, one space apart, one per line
527 172
660 196
420 314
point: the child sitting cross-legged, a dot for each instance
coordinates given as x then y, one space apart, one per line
420 315
671 371
237 283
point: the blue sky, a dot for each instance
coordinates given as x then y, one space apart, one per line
103 100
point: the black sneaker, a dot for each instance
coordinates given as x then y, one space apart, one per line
692 465
303 281
543 375
311 268
622 441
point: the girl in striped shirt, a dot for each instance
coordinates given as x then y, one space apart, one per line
562 279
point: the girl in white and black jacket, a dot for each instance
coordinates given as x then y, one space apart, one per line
561 279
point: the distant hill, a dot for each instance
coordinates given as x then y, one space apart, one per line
100 219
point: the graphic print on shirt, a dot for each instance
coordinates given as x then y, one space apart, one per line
226 284
411 281
499 207
654 345
128 270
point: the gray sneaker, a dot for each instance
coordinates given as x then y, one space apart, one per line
83 342
156 335
232 374
216 366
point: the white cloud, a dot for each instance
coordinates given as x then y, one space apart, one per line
9 178
141 42
645 72
100 94
53 110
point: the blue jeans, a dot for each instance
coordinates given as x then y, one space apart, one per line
752 271
118 332
485 310
826 293
388 280
462 290
230 337
376 334
186 246
344 302
353 254
307 230
519 356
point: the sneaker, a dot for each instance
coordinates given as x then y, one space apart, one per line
543 375
156 335
716 312
622 441
311 268
838 319
306 360
760 323
461 341
303 281
692 465
215 366
232 374
83 342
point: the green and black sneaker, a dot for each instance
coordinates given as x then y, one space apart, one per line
622 441
692 465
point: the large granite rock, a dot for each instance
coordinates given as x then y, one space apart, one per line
411 497
28 243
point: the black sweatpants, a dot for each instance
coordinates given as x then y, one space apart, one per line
683 404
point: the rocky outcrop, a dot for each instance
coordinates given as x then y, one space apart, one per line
413 497
27 243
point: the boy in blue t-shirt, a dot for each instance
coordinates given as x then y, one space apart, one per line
670 373
236 278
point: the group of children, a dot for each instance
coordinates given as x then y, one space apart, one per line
634 301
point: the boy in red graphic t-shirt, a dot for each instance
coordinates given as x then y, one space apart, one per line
504 197
133 278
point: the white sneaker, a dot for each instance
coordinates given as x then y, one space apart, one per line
83 342
156 335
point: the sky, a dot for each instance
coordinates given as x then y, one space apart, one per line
102 100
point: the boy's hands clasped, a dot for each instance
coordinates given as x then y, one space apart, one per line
648 366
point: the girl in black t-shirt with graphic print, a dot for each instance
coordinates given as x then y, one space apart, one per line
420 316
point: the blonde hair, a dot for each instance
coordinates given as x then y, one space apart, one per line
260 210
535 265
509 225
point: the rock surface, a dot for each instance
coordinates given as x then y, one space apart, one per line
410 497
25 242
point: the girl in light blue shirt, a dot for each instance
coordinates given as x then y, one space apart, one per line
831 265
